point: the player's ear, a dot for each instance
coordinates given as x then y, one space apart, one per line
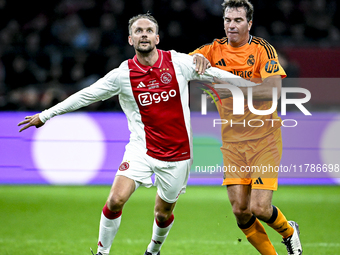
157 39
130 40
250 23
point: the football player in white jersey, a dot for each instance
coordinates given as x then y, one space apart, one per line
153 93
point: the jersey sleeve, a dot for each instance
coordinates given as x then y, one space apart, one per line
270 63
102 89
187 67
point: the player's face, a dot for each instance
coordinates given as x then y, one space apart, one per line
144 36
236 26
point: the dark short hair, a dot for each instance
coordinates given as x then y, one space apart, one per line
143 16
237 4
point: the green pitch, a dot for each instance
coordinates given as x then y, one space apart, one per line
40 220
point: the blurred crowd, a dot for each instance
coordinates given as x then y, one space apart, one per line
51 49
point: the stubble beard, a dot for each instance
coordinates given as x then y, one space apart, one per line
146 50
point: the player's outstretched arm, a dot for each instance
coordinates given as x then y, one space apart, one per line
31 121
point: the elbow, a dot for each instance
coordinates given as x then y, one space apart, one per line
272 87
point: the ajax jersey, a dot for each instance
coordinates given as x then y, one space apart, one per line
161 105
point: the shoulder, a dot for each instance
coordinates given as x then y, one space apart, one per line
264 46
215 43
183 64
178 57
221 41
258 41
210 48
124 66
115 74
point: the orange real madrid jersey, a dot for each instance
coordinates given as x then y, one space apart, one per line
255 61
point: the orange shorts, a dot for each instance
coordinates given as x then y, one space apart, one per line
253 162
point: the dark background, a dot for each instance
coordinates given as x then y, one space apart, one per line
51 49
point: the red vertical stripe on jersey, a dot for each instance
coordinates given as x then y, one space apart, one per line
157 94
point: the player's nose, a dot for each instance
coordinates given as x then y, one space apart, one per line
232 24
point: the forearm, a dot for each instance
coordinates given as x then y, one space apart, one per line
225 76
76 101
264 91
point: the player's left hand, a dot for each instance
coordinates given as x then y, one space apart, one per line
31 121
201 62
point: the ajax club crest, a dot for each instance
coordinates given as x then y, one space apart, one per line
166 78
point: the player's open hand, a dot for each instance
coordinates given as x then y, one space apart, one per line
201 62
31 121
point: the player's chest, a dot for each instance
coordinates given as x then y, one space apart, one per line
155 86
242 64
154 78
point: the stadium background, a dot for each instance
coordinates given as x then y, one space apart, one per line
53 48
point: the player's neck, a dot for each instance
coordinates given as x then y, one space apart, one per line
148 59
239 43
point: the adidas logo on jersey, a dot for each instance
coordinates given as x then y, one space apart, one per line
258 181
141 85
221 63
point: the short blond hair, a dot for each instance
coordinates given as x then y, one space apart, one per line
142 16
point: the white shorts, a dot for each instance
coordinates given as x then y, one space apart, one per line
170 177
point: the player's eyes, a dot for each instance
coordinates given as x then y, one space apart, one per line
229 21
138 31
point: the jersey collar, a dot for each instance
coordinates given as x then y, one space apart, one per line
249 41
145 68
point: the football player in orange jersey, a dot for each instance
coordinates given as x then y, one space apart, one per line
243 146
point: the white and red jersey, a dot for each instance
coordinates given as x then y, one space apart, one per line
154 99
